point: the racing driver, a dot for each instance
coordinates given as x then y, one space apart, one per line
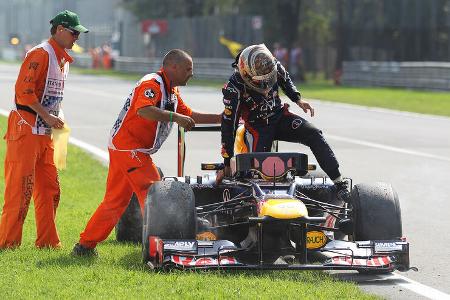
251 93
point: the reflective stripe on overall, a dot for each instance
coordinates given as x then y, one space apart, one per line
163 129
53 92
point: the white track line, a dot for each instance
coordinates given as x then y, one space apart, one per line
418 288
385 147
102 154
409 284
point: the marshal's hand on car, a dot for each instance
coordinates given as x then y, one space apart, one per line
184 121
221 174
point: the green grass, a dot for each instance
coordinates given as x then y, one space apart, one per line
9 62
110 73
419 101
118 272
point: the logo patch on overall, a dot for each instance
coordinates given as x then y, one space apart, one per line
149 93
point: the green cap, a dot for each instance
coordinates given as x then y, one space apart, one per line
69 20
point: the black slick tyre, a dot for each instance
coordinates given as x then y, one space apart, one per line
376 210
129 227
377 215
169 213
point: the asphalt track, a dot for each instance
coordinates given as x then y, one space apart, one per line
410 151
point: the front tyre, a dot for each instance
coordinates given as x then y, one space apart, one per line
376 210
169 213
377 215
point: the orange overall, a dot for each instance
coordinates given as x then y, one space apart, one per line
131 168
29 167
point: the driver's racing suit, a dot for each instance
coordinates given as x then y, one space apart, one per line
266 119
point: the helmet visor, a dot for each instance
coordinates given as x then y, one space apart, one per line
264 82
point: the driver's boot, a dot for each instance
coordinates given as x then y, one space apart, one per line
343 191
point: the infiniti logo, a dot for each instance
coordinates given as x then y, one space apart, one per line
296 123
226 195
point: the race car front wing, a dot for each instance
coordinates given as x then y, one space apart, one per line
222 254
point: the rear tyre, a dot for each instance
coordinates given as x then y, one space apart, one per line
377 215
129 227
169 213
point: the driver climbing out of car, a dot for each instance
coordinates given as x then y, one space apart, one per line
251 93
142 127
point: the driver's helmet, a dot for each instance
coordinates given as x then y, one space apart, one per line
258 68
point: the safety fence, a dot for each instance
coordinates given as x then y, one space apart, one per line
204 68
414 75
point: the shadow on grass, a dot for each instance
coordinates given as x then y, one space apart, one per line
114 242
133 261
66 260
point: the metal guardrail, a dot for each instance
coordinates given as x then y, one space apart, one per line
204 68
414 75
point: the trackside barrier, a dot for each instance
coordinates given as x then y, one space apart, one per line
414 75
204 68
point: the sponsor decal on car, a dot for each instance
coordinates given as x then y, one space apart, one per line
282 208
315 240
181 246
387 247
330 220
203 261
226 195
377 261
209 166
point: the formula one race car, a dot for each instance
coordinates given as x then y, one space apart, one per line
271 215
